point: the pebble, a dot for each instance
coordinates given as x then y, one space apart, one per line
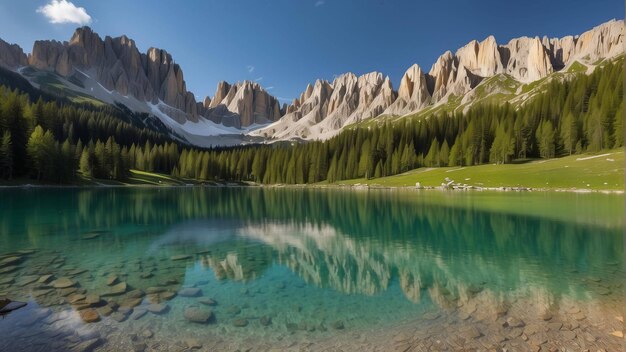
135 293
207 301
111 280
240 323
139 346
138 314
63 282
119 316
91 236
9 261
105 311
157 308
9 306
117 289
147 333
190 292
197 315
92 299
130 302
618 333
89 315
192 343
44 279
514 322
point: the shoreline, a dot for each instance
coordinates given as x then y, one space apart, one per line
357 186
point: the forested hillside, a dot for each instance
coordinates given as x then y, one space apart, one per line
55 141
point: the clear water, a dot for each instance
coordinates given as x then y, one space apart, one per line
313 269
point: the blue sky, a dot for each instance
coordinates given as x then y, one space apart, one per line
285 44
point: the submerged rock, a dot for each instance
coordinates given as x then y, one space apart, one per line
63 282
240 323
89 315
139 313
197 315
207 301
192 343
190 292
157 308
6 305
116 290
112 280
9 261
180 257
91 236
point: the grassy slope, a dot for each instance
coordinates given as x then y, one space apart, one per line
588 171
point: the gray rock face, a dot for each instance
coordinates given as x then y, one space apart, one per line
324 108
525 59
118 65
12 56
241 105
413 93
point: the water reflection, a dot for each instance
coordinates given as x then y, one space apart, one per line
366 260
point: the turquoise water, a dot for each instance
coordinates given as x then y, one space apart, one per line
306 269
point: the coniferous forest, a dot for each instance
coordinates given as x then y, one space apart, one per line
55 141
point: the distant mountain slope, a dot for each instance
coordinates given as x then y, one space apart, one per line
89 69
477 71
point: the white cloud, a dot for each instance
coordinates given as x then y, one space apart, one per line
258 79
250 68
319 3
63 11
269 88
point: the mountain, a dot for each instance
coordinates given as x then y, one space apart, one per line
326 107
241 105
113 71
521 61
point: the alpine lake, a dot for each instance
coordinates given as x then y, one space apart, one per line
273 269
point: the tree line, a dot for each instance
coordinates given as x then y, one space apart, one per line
54 141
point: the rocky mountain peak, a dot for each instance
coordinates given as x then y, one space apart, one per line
413 92
12 56
243 104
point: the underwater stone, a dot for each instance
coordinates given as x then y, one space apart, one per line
190 292
240 323
197 315
207 301
157 308
89 315
62 282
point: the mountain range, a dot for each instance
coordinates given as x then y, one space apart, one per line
88 68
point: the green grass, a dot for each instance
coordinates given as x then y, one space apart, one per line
51 83
577 67
602 172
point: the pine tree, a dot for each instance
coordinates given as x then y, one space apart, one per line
569 132
6 156
545 136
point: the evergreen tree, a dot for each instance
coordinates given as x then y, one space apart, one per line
6 156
